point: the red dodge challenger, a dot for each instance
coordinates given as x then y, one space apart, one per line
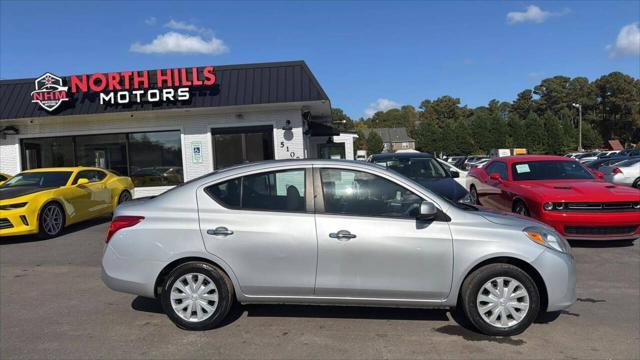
559 192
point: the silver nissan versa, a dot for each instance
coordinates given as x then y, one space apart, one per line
333 232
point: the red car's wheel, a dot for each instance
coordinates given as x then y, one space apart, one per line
520 208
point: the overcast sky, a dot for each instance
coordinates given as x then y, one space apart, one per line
367 56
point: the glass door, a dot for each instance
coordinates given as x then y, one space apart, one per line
232 146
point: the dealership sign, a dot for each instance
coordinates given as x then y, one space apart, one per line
124 87
49 92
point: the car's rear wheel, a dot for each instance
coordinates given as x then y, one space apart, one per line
520 208
124 196
636 183
473 194
197 296
500 300
50 221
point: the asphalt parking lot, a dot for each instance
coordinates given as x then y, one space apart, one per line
54 305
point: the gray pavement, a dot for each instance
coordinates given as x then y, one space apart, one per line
54 305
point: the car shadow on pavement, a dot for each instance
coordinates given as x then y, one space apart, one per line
600 243
9 240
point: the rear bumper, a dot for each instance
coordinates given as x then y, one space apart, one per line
595 226
558 271
131 276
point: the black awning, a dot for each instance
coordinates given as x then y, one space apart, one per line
318 129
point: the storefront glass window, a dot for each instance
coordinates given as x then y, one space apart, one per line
150 158
232 146
155 158
47 152
107 151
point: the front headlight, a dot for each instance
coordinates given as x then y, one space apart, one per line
13 206
548 238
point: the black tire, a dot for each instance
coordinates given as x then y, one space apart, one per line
636 183
473 193
224 291
44 231
124 196
471 289
519 207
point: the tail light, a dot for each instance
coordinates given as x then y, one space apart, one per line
122 222
616 171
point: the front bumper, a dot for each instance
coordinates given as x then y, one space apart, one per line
20 221
594 225
558 271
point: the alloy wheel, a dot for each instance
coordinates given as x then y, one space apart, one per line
503 302
125 196
194 297
473 194
52 219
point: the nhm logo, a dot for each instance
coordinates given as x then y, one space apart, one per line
49 92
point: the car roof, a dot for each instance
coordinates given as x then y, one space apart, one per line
402 155
519 158
68 168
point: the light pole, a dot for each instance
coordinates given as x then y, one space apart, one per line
579 125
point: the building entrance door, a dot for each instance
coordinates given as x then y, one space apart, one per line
232 146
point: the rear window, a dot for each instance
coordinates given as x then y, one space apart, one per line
628 162
269 191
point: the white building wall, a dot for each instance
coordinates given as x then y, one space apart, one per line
194 127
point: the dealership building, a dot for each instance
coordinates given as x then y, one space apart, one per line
163 127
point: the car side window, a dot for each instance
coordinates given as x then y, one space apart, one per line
91 175
3 178
271 191
359 193
499 167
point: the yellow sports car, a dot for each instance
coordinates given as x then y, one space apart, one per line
4 177
44 201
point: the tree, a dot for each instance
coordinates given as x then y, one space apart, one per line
555 143
619 106
464 138
536 138
341 121
374 143
360 143
591 139
524 104
515 128
428 136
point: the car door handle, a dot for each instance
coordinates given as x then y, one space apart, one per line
220 231
342 235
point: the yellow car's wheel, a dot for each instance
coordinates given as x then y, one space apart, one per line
51 221
124 196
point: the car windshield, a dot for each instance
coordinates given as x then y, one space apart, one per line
39 179
549 170
415 168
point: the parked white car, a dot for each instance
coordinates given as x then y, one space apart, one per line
626 172
462 179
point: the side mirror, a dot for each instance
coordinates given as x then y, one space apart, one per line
454 174
495 176
82 181
428 211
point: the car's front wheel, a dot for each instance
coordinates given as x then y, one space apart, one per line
500 299
50 221
197 296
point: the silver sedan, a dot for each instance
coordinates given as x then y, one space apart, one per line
333 232
625 172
